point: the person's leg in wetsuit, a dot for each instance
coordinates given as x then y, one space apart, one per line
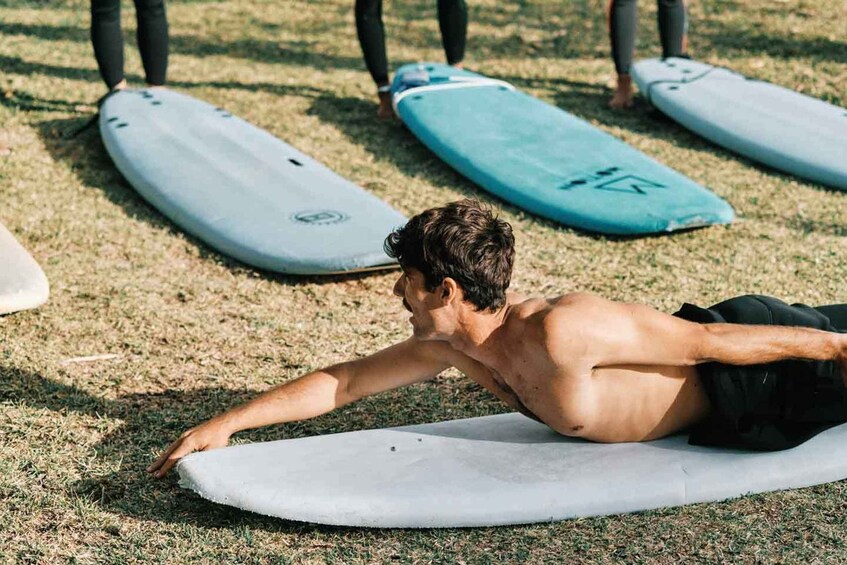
107 38
623 19
452 21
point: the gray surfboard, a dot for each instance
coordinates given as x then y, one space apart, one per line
783 129
494 470
23 284
240 189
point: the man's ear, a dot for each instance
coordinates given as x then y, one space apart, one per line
449 290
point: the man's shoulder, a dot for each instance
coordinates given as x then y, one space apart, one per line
429 349
574 313
569 305
580 299
534 310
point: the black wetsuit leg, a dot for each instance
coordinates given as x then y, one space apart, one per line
623 20
371 34
672 27
452 20
108 39
153 39
775 405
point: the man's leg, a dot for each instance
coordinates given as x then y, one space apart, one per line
623 19
371 33
108 41
453 22
837 314
673 26
153 39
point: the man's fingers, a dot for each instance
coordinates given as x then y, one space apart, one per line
190 441
169 463
171 459
163 457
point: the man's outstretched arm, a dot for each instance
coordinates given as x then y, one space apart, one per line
621 334
312 395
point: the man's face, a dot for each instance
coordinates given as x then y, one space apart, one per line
428 312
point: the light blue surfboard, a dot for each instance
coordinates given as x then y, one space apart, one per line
240 189
544 159
778 127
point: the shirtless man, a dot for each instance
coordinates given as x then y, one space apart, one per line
585 366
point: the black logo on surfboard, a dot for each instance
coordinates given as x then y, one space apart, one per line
626 183
629 183
319 217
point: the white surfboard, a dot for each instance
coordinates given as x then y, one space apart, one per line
23 284
495 470
240 189
783 129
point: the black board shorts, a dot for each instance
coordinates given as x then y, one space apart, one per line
772 406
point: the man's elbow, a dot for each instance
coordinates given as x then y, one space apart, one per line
702 344
346 390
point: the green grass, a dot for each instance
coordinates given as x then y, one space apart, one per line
196 332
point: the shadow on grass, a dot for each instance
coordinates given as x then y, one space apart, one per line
302 53
733 40
152 420
558 30
16 65
386 140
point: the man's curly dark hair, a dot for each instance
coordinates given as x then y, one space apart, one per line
464 241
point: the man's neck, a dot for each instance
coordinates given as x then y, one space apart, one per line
478 334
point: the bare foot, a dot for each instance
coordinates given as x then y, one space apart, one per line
120 86
459 65
386 110
623 94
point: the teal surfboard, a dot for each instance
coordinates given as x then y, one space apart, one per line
240 189
544 159
773 125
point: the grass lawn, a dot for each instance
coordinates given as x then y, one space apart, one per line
195 332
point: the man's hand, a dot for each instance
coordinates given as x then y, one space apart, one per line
209 435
